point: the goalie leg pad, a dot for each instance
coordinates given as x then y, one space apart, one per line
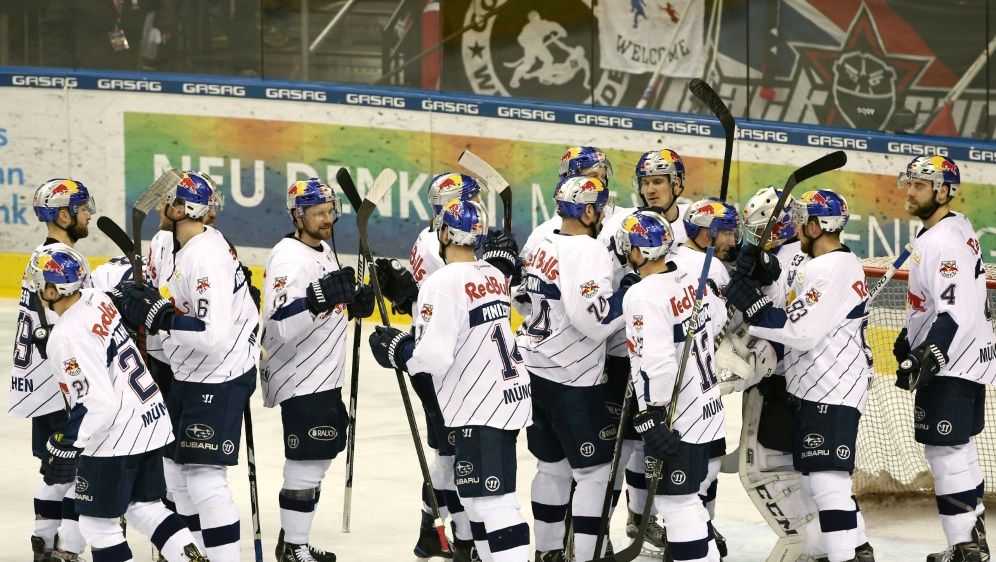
956 489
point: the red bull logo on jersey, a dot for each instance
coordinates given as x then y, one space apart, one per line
973 244
107 315
916 301
493 286
948 269
813 297
426 312
279 283
71 367
637 321
589 289
203 285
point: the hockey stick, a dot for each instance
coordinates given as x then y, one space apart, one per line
120 238
253 485
889 273
169 180
476 165
349 188
634 549
657 77
708 96
380 186
603 525
821 165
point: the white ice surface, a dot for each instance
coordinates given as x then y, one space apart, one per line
386 492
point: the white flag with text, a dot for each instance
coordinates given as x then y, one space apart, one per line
634 35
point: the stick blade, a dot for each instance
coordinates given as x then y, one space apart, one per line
348 186
377 191
827 163
480 168
704 92
116 234
168 180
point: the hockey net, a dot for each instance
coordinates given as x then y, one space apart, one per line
889 461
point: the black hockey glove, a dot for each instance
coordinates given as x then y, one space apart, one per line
253 291
391 347
758 264
60 467
746 296
747 259
397 284
920 366
628 281
363 302
142 305
502 251
659 440
39 337
901 347
331 289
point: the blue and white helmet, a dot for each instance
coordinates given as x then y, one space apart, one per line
758 210
580 160
574 193
827 207
59 265
197 192
664 162
711 213
647 230
467 222
58 193
938 170
312 191
448 186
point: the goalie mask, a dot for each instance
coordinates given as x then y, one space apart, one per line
827 207
448 186
197 193
938 170
58 193
756 213
584 161
310 192
60 265
466 221
648 231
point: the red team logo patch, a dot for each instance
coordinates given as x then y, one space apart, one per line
813 297
948 269
71 367
916 301
279 283
638 321
426 313
589 289
203 285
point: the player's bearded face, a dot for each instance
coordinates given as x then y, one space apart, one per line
921 200
317 221
725 241
164 223
596 172
80 227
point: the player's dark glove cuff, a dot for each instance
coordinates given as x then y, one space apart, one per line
659 440
60 467
747 259
505 261
363 302
142 306
254 293
745 295
919 368
629 280
397 284
333 288
767 269
160 316
901 347
391 347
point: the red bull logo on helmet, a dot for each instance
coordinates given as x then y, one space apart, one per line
590 186
188 184
632 225
48 264
453 209
67 187
572 153
669 155
815 197
712 209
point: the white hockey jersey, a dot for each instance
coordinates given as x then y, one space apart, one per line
116 408
108 275
213 336
307 353
657 311
569 283
464 341
34 387
790 258
159 267
947 276
424 259
827 359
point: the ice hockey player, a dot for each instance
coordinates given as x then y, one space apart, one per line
462 328
117 420
568 279
659 175
401 287
208 330
658 311
308 302
822 330
946 351
65 207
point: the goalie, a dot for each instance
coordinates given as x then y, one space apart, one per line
745 364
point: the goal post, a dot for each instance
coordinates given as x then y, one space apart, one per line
889 461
